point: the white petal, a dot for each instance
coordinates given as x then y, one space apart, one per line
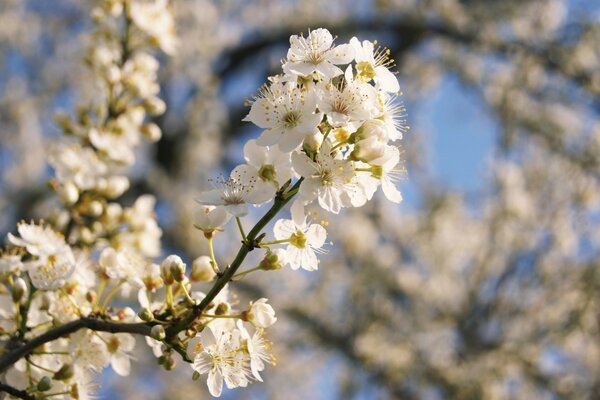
386 80
269 137
342 54
390 190
215 382
290 140
237 210
303 165
301 68
283 229
120 363
309 260
316 236
327 70
254 154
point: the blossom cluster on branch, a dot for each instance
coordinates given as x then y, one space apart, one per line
330 121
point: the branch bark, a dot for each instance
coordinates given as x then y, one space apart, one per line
83 323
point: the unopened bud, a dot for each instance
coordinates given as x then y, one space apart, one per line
154 105
69 193
202 270
195 376
19 290
178 272
151 132
169 363
95 208
44 384
170 264
274 260
91 296
116 186
158 332
65 372
191 333
313 141
222 309
146 315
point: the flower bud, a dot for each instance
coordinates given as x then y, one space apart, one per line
158 332
370 140
146 315
65 372
260 314
95 208
170 264
68 193
195 376
274 260
44 384
313 141
222 309
116 186
91 296
169 363
178 271
154 105
202 270
19 290
151 132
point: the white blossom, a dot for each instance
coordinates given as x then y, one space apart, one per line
316 54
286 112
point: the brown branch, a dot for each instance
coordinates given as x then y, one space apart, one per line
21 394
98 325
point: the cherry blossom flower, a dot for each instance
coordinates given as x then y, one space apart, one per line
219 358
233 193
304 239
260 314
268 166
373 64
330 180
210 218
53 260
258 350
348 101
287 114
316 53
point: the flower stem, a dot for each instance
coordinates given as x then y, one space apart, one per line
111 294
186 293
244 273
213 261
221 316
241 228
275 242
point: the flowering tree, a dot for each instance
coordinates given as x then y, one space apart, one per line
489 292
327 141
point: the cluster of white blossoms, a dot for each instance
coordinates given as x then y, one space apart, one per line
327 140
329 120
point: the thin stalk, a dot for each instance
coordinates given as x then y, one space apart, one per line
241 228
243 274
213 261
111 294
275 242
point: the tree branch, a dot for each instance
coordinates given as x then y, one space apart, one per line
280 201
98 325
21 394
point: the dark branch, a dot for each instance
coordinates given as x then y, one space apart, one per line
98 325
21 394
